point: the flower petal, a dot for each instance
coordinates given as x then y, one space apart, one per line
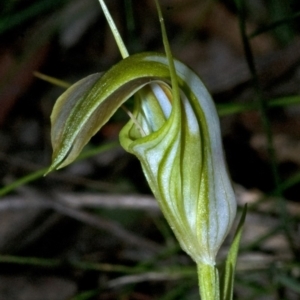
185 167
88 104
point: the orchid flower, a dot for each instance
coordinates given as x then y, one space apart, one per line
174 131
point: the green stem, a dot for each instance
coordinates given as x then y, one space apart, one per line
39 173
284 215
262 104
114 30
208 278
175 88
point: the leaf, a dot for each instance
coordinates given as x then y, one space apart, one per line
227 280
88 104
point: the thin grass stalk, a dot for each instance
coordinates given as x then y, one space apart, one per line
263 108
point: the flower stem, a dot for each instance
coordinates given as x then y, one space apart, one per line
208 278
114 30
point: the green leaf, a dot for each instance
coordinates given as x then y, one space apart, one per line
227 279
88 104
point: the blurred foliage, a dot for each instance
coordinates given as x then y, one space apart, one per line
15 14
269 279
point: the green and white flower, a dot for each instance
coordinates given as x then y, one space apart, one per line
174 131
177 140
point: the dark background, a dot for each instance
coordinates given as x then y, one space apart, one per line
92 230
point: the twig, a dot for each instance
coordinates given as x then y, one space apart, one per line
109 226
140 202
45 201
149 276
77 200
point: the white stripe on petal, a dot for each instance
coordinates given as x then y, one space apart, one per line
162 99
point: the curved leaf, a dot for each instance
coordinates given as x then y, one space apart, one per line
88 104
